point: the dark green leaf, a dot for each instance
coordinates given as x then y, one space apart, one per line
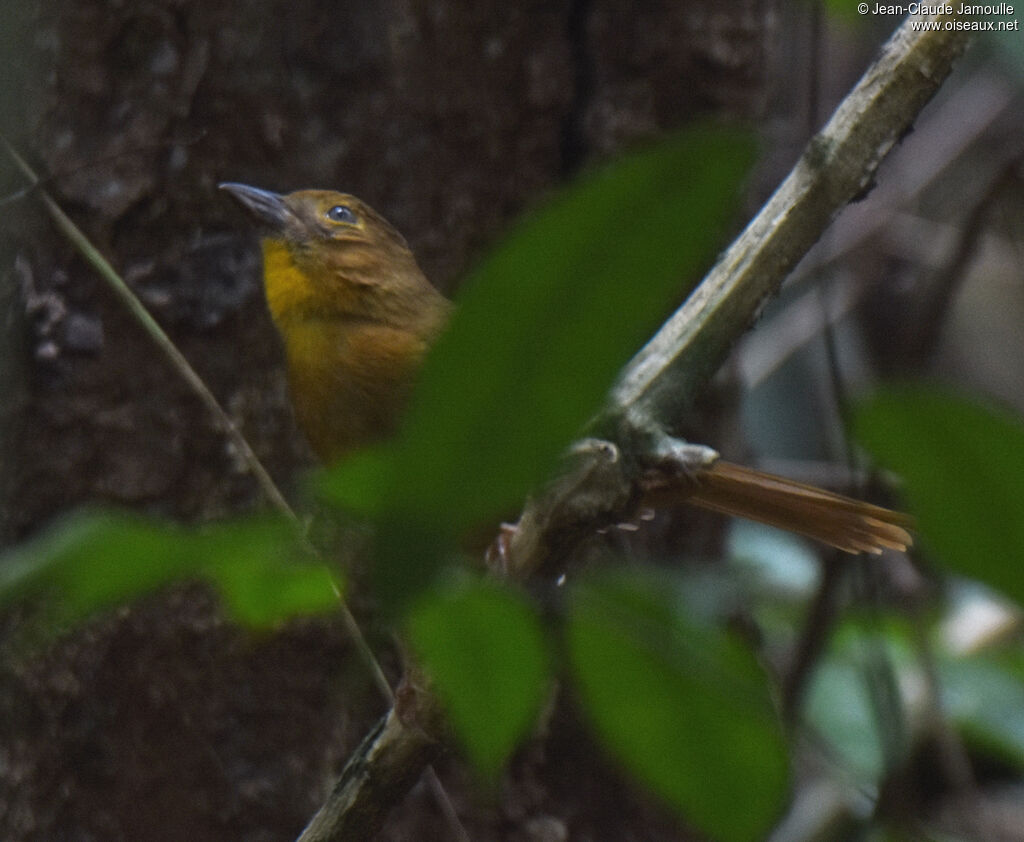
484 648
93 560
359 484
685 707
545 322
963 470
262 573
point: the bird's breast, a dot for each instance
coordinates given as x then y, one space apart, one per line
349 380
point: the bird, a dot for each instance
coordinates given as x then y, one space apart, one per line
357 316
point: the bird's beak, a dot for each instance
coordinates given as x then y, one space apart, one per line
266 206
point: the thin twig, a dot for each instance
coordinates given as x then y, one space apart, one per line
817 630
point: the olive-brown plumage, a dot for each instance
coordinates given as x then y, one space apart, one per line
354 310
357 316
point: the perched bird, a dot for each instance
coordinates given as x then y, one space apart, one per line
354 310
357 315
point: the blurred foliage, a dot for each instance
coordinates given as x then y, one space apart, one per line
92 560
484 648
853 704
981 692
685 706
962 468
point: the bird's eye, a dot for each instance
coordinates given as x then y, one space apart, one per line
342 213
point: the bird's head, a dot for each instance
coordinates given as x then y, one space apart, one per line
329 253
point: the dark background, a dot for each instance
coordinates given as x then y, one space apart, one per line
164 722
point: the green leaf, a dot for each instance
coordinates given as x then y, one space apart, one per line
92 560
263 575
360 482
484 648
545 322
962 465
684 707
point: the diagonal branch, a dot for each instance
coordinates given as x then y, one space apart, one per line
838 166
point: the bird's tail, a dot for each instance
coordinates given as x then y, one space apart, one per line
842 522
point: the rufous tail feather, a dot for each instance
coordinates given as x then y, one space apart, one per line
842 522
